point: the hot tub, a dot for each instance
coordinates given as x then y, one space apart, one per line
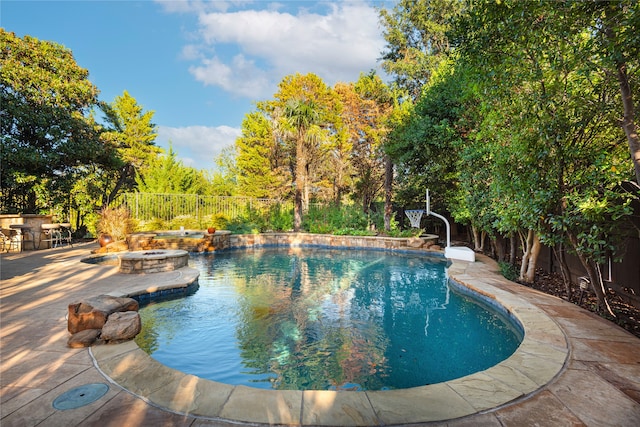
153 261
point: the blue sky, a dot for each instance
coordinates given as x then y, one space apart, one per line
201 65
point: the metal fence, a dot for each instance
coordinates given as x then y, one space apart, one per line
166 207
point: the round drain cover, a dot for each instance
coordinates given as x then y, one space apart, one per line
80 396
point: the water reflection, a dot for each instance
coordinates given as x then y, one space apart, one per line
325 319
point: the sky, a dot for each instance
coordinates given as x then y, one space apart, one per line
201 65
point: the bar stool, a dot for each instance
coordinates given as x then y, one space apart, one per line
66 234
23 231
51 233
9 239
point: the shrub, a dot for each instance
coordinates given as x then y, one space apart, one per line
508 271
115 222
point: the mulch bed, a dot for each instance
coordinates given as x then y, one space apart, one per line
627 316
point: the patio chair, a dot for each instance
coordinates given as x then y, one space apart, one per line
9 239
66 234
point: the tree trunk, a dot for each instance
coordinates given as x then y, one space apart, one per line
564 268
513 248
388 188
531 249
305 194
628 123
476 238
299 183
628 120
500 244
593 271
126 172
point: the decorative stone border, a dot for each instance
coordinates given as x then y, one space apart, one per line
539 359
153 261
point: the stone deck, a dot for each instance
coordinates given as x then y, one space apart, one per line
576 368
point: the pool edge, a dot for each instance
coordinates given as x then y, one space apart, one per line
540 358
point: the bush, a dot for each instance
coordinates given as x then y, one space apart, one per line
116 222
508 271
340 220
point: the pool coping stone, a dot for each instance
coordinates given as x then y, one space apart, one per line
540 358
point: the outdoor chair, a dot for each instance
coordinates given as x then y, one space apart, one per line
9 239
66 234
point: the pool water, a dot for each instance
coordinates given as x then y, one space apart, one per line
323 319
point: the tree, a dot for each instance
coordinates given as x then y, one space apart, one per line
260 162
552 124
167 175
367 105
48 135
417 40
302 118
133 135
305 113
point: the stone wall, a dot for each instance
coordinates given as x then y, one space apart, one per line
426 243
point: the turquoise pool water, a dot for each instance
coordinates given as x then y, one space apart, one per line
317 319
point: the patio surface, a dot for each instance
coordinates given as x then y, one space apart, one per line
590 375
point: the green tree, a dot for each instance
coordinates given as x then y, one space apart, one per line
168 175
48 136
261 166
305 113
133 135
416 32
551 128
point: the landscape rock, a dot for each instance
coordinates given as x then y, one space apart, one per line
92 313
121 326
84 338
415 242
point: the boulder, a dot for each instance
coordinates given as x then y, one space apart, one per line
84 338
92 313
121 326
415 242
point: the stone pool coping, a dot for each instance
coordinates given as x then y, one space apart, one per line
541 357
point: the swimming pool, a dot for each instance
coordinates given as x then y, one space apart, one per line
314 319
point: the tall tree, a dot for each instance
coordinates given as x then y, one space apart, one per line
261 165
367 105
133 135
47 133
302 120
168 175
417 40
306 116
552 126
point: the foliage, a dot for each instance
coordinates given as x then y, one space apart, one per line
262 169
508 271
416 32
366 107
548 127
132 134
48 136
338 220
116 222
166 174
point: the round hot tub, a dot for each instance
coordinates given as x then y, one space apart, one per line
153 261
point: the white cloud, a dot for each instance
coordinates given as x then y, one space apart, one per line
197 146
187 6
270 44
240 77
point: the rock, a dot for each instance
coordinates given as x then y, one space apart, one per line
93 312
121 326
84 338
415 242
